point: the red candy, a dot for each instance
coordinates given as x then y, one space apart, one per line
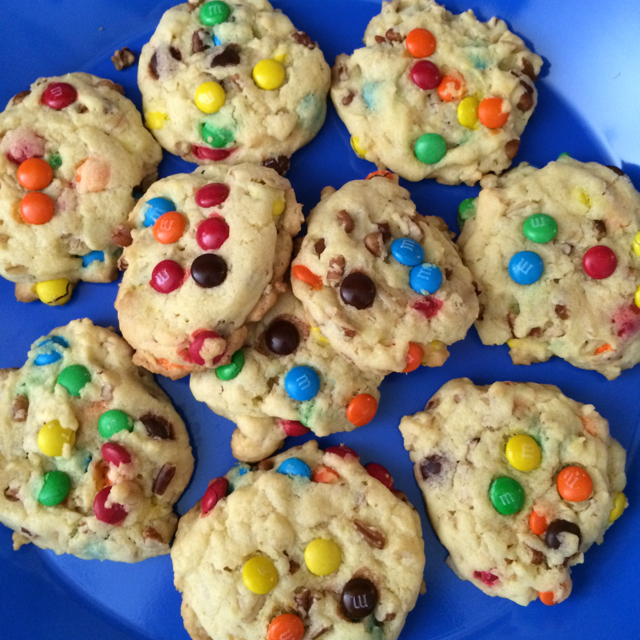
292 427
216 490
211 195
428 307
115 454
343 451
212 233
207 153
599 262
426 75
627 320
378 472
59 95
196 346
486 577
167 276
115 514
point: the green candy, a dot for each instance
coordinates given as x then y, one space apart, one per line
215 136
55 160
430 148
214 13
110 422
506 495
540 228
563 155
466 211
231 370
55 489
73 378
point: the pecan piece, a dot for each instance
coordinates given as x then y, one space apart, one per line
373 537
302 38
385 230
163 479
380 39
562 312
19 97
121 236
511 148
538 556
336 269
11 494
20 408
536 332
303 600
228 58
345 221
198 40
320 246
151 534
600 229
393 36
526 99
176 54
374 243
110 85
527 69
265 465
123 58
348 99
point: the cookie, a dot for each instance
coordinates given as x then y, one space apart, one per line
232 81
519 481
72 150
306 544
555 253
207 252
285 381
384 284
436 95
92 454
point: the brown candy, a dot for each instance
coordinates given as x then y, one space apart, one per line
163 479
157 427
358 290
209 270
359 598
555 528
228 58
279 164
282 337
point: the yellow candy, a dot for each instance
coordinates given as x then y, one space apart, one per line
637 297
468 112
619 505
155 119
280 57
584 197
355 145
52 438
322 557
278 208
210 97
54 292
636 244
268 74
315 332
523 453
259 575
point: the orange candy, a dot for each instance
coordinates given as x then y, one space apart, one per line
169 227
300 272
574 484
325 475
420 43
35 174
362 409
603 349
537 523
452 87
490 113
286 627
383 173
546 597
414 358
36 208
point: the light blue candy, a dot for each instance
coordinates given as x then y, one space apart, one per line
50 356
92 257
526 267
302 383
216 41
425 278
407 251
154 208
295 467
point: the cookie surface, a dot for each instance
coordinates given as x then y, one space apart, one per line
312 540
436 95
208 253
383 314
234 82
532 452
72 149
583 218
257 398
92 454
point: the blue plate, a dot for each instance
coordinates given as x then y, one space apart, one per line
588 107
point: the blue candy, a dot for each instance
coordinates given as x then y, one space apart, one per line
154 208
302 383
295 467
92 257
51 355
526 267
407 251
425 278
216 41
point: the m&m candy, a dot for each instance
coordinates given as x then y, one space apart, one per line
302 383
113 421
468 112
491 113
59 95
154 208
209 270
212 195
212 233
52 438
35 174
378 472
425 75
209 97
420 43
526 267
506 495
362 409
466 211
407 251
540 228
523 452
198 343
214 12
115 453
216 490
49 354
233 369
114 515
359 598
268 74
287 626
54 292
55 488
73 378
169 227
599 262
215 136
167 276
430 148
295 467
260 575
322 557
92 256
425 278
574 484
36 208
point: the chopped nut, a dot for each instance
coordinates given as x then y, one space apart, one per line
321 632
19 97
343 74
380 39
374 243
123 58
336 269
527 69
511 148
345 221
265 465
526 99
562 312
348 99
302 38
114 86
153 66
163 479
538 556
373 537
600 229
389 617
121 235
385 230
11 494
20 408
151 534
393 36
303 600
320 246
176 54
293 567
198 40
349 333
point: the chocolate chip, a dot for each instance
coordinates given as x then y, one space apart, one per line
198 40
279 164
358 290
537 556
562 312
345 221
163 479
320 246
374 243
265 465
153 66
123 58
359 598
555 528
282 337
393 36
600 229
431 466
526 99
528 70
336 269
384 229
511 148
157 427
121 235
302 38
348 99
616 170
373 537
20 408
175 54
228 58
209 270
303 600
19 97
293 567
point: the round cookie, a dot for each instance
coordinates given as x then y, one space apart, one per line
384 284
436 95
207 252
72 150
519 481
92 454
255 391
232 81
555 255
339 554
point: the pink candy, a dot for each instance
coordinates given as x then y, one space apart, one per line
216 490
